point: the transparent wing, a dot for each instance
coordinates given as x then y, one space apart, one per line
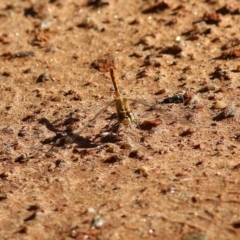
169 112
72 137
141 102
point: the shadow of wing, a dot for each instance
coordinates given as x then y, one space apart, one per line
71 138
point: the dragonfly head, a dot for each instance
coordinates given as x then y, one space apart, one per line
126 121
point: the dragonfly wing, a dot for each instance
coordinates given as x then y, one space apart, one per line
163 110
140 101
71 139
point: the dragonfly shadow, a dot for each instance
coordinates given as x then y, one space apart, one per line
82 142
48 125
64 137
111 136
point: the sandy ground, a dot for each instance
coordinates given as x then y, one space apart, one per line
174 174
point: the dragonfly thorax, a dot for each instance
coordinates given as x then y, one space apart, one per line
124 113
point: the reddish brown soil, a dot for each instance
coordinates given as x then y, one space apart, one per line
176 176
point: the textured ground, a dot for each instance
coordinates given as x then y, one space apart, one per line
174 174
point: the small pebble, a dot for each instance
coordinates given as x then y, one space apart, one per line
160 91
90 22
220 105
144 171
97 222
44 77
112 148
208 88
149 124
136 154
113 159
127 145
56 99
91 210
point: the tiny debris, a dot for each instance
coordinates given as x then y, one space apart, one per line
142 73
40 38
23 54
97 222
237 69
236 167
51 49
31 217
195 236
7 130
106 62
160 91
136 55
4 39
199 28
231 43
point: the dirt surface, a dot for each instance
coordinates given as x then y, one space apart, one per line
172 175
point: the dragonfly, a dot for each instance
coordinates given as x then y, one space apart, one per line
124 114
